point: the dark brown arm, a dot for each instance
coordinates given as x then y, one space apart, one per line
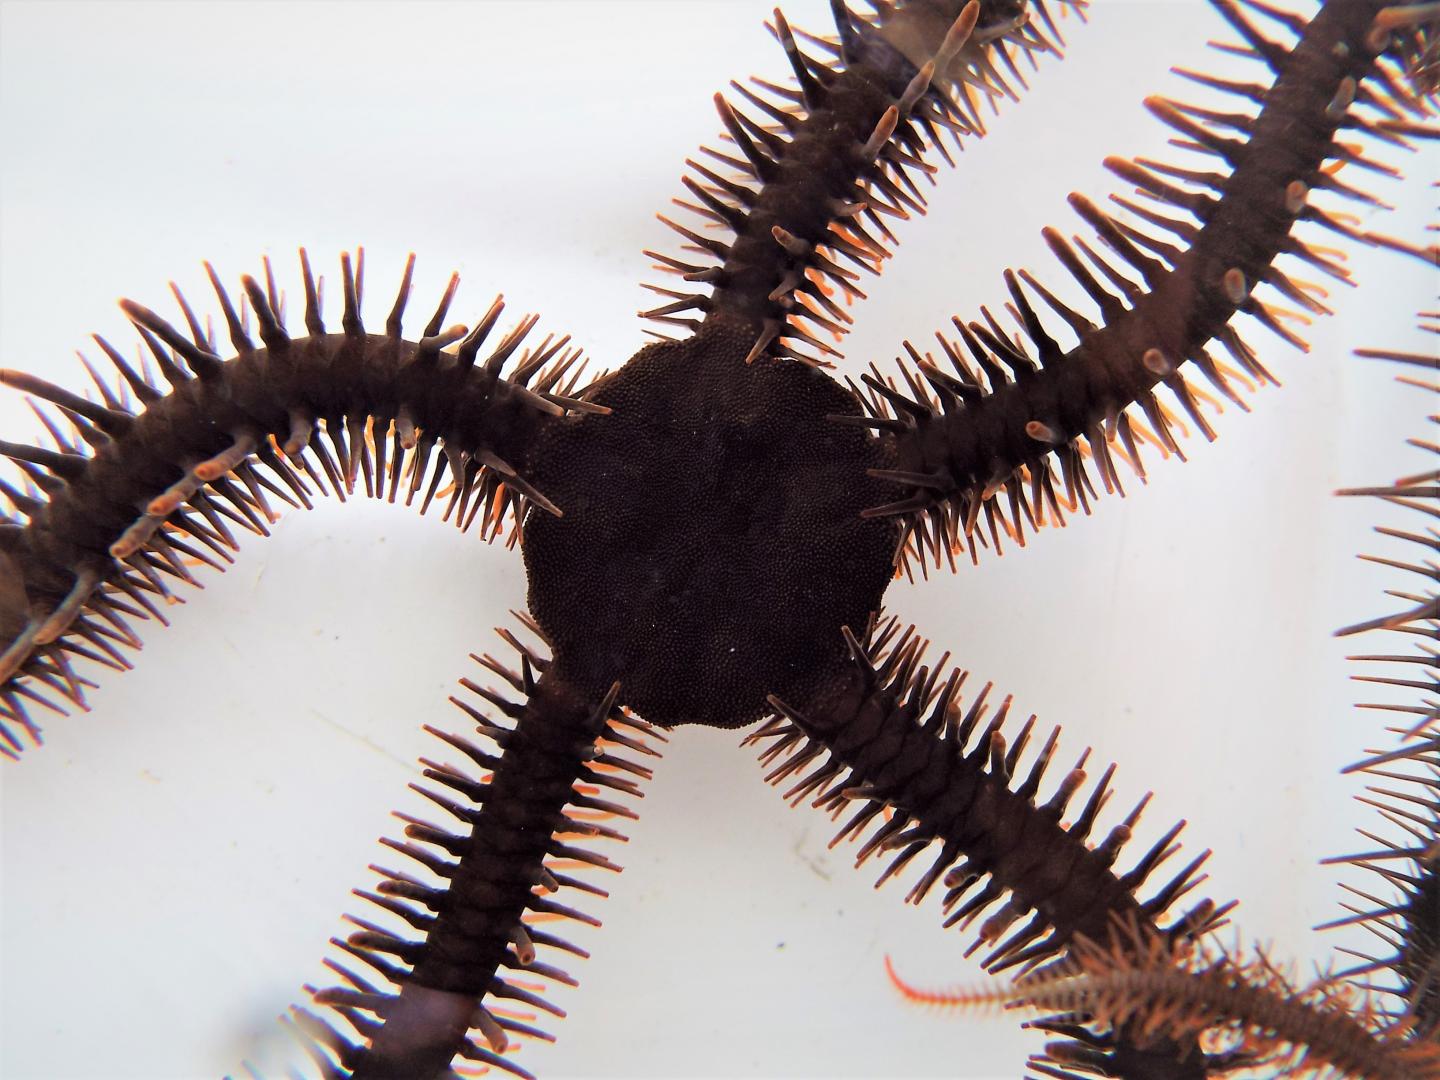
456 934
1026 429
160 471
920 774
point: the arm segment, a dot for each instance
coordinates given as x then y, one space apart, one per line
986 431
926 774
829 160
158 474
458 935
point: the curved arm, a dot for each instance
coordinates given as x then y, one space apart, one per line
145 487
990 440
460 918
892 735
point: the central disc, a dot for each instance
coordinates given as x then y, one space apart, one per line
711 546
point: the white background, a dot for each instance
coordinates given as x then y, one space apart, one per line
174 861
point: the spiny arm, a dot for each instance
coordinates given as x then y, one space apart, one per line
153 479
467 925
986 429
925 773
829 160
1404 853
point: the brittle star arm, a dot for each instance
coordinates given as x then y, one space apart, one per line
891 743
829 160
987 432
458 942
152 480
